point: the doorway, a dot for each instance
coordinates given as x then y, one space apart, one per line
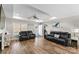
39 30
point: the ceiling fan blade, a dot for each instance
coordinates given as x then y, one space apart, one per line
33 17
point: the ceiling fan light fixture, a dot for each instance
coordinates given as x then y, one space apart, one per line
17 17
52 18
39 21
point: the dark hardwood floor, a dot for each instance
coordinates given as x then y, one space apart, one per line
38 46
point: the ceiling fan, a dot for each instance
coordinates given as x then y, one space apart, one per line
33 17
56 24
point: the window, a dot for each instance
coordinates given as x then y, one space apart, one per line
17 27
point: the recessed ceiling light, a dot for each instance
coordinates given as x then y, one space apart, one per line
38 21
17 17
52 18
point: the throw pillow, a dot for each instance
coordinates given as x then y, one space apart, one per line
56 35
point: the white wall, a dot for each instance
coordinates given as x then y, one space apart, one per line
65 27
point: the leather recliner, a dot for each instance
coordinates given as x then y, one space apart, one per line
25 35
63 37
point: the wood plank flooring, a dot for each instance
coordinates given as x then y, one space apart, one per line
38 46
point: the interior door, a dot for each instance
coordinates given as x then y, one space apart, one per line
40 30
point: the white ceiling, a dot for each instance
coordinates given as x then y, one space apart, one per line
68 12
23 11
43 11
59 10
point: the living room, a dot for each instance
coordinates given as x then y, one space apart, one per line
39 29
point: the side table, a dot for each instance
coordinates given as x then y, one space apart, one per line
75 42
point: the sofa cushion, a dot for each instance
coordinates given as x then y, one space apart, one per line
63 36
50 35
23 33
56 35
24 36
61 40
